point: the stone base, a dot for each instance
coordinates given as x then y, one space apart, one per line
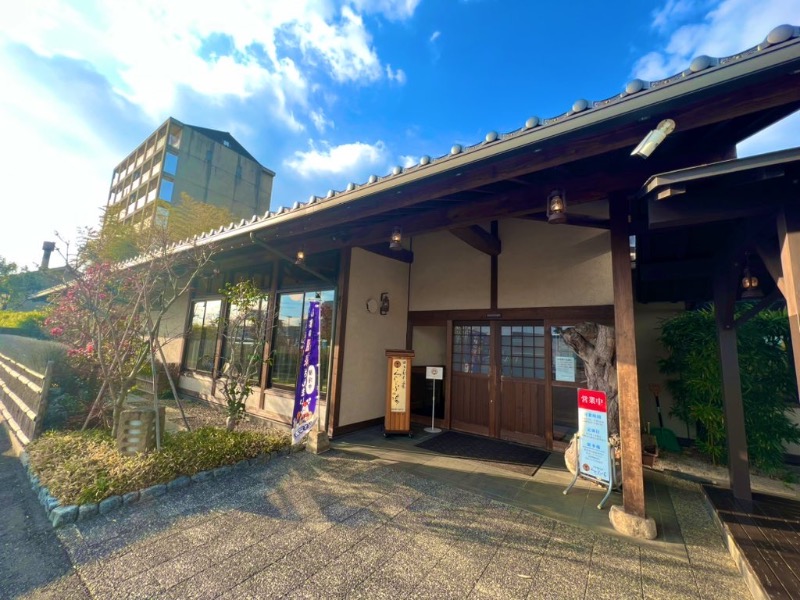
318 442
631 525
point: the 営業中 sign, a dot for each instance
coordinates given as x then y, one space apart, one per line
593 428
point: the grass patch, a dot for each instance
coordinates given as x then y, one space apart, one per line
80 467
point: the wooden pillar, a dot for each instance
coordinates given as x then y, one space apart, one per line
789 240
627 376
725 283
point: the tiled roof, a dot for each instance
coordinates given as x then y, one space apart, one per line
697 68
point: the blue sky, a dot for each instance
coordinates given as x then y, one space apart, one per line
323 92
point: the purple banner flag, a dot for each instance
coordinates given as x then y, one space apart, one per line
304 416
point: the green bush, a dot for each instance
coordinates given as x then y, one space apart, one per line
81 467
767 376
28 324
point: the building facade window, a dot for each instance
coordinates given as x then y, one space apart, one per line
290 317
165 191
201 344
240 341
170 163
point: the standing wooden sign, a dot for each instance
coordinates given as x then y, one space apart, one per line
398 392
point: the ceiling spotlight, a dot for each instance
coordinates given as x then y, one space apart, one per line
654 138
556 207
395 242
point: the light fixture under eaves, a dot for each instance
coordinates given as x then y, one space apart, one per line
300 259
396 240
556 207
652 140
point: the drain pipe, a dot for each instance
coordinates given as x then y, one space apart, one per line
287 258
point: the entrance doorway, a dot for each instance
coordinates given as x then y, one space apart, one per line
499 380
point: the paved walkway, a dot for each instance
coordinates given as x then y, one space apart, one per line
31 557
339 525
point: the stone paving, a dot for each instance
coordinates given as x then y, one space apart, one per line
336 526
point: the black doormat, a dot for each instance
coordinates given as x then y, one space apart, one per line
504 455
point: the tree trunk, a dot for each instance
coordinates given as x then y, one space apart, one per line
596 346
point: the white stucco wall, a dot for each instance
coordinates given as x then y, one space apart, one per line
429 344
553 265
369 335
448 274
173 326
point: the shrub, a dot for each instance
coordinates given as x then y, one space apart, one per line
81 467
28 324
767 377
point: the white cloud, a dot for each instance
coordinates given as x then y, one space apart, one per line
728 27
337 160
321 122
435 36
396 10
398 76
408 160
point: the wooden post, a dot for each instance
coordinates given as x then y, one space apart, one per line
724 299
627 376
789 240
41 410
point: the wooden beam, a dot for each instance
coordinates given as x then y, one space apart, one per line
789 240
493 268
382 249
334 399
627 375
480 239
772 262
725 283
751 312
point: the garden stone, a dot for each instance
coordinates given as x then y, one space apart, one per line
201 476
23 458
176 484
109 504
35 485
130 498
64 515
222 471
86 511
261 459
284 451
51 503
154 491
242 464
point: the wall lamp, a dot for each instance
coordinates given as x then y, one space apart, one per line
384 303
654 138
556 207
395 241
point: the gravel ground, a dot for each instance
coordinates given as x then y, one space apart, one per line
203 414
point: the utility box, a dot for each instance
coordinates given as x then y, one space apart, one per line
137 430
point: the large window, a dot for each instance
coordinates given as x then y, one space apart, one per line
243 331
165 193
202 343
568 374
522 351
471 349
290 318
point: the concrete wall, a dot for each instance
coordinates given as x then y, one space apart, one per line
369 335
553 265
448 274
210 172
648 352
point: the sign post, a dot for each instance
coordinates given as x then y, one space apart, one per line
433 373
594 456
304 415
398 392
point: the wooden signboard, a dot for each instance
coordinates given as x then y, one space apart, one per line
398 392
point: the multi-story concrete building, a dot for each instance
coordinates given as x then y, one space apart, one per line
175 160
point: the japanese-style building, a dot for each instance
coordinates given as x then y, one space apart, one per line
477 259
